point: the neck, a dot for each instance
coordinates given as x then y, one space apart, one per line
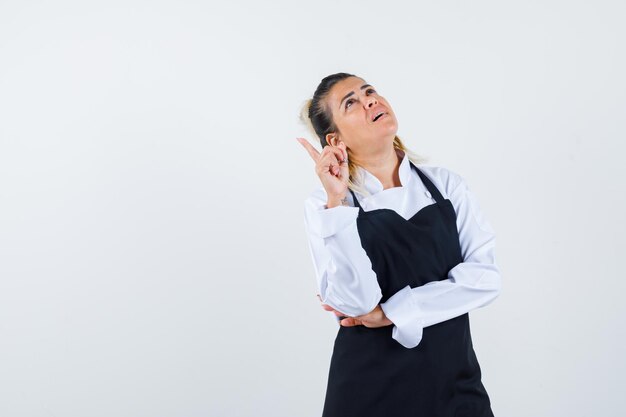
384 166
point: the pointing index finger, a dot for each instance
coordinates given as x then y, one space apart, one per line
312 151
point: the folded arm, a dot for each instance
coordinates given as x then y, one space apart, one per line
345 278
471 284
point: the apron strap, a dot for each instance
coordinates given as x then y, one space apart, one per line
429 185
356 201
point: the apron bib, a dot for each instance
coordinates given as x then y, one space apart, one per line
371 374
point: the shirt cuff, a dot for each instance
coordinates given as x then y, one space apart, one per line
402 309
326 222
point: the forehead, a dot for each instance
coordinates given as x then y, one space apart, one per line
344 87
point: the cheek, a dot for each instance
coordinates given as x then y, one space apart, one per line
353 122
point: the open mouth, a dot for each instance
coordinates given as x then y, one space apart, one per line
379 116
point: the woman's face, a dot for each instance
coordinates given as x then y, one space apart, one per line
354 105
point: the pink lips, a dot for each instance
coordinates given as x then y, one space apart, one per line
379 117
375 112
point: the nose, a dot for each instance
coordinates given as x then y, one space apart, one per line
370 101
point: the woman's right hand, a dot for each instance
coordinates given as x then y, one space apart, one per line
331 166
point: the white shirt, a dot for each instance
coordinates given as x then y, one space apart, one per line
346 280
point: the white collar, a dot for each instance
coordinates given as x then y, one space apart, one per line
373 184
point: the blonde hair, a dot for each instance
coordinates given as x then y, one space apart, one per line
354 181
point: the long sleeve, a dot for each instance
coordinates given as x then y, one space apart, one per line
471 284
345 279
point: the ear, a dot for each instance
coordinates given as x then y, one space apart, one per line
332 139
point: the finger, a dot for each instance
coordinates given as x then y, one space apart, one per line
343 165
344 149
340 149
325 306
339 153
350 321
321 301
342 160
335 312
330 159
315 155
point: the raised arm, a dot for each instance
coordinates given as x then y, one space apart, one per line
471 284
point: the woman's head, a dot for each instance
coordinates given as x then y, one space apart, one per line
344 108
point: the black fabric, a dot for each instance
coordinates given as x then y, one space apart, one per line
371 374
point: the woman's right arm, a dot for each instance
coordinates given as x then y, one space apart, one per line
345 278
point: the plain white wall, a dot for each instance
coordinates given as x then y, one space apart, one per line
153 260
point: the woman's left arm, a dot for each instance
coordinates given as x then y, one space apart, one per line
471 284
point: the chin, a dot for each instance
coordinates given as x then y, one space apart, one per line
392 131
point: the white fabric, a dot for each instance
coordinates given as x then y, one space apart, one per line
346 281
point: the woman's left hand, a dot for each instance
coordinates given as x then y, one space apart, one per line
375 318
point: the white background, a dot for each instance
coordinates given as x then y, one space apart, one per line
153 260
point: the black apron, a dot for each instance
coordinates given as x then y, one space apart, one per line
371 374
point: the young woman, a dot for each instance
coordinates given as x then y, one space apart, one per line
401 254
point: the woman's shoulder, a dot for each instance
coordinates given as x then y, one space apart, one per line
445 179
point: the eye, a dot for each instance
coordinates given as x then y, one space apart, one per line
349 101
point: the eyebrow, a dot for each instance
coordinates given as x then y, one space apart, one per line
352 92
